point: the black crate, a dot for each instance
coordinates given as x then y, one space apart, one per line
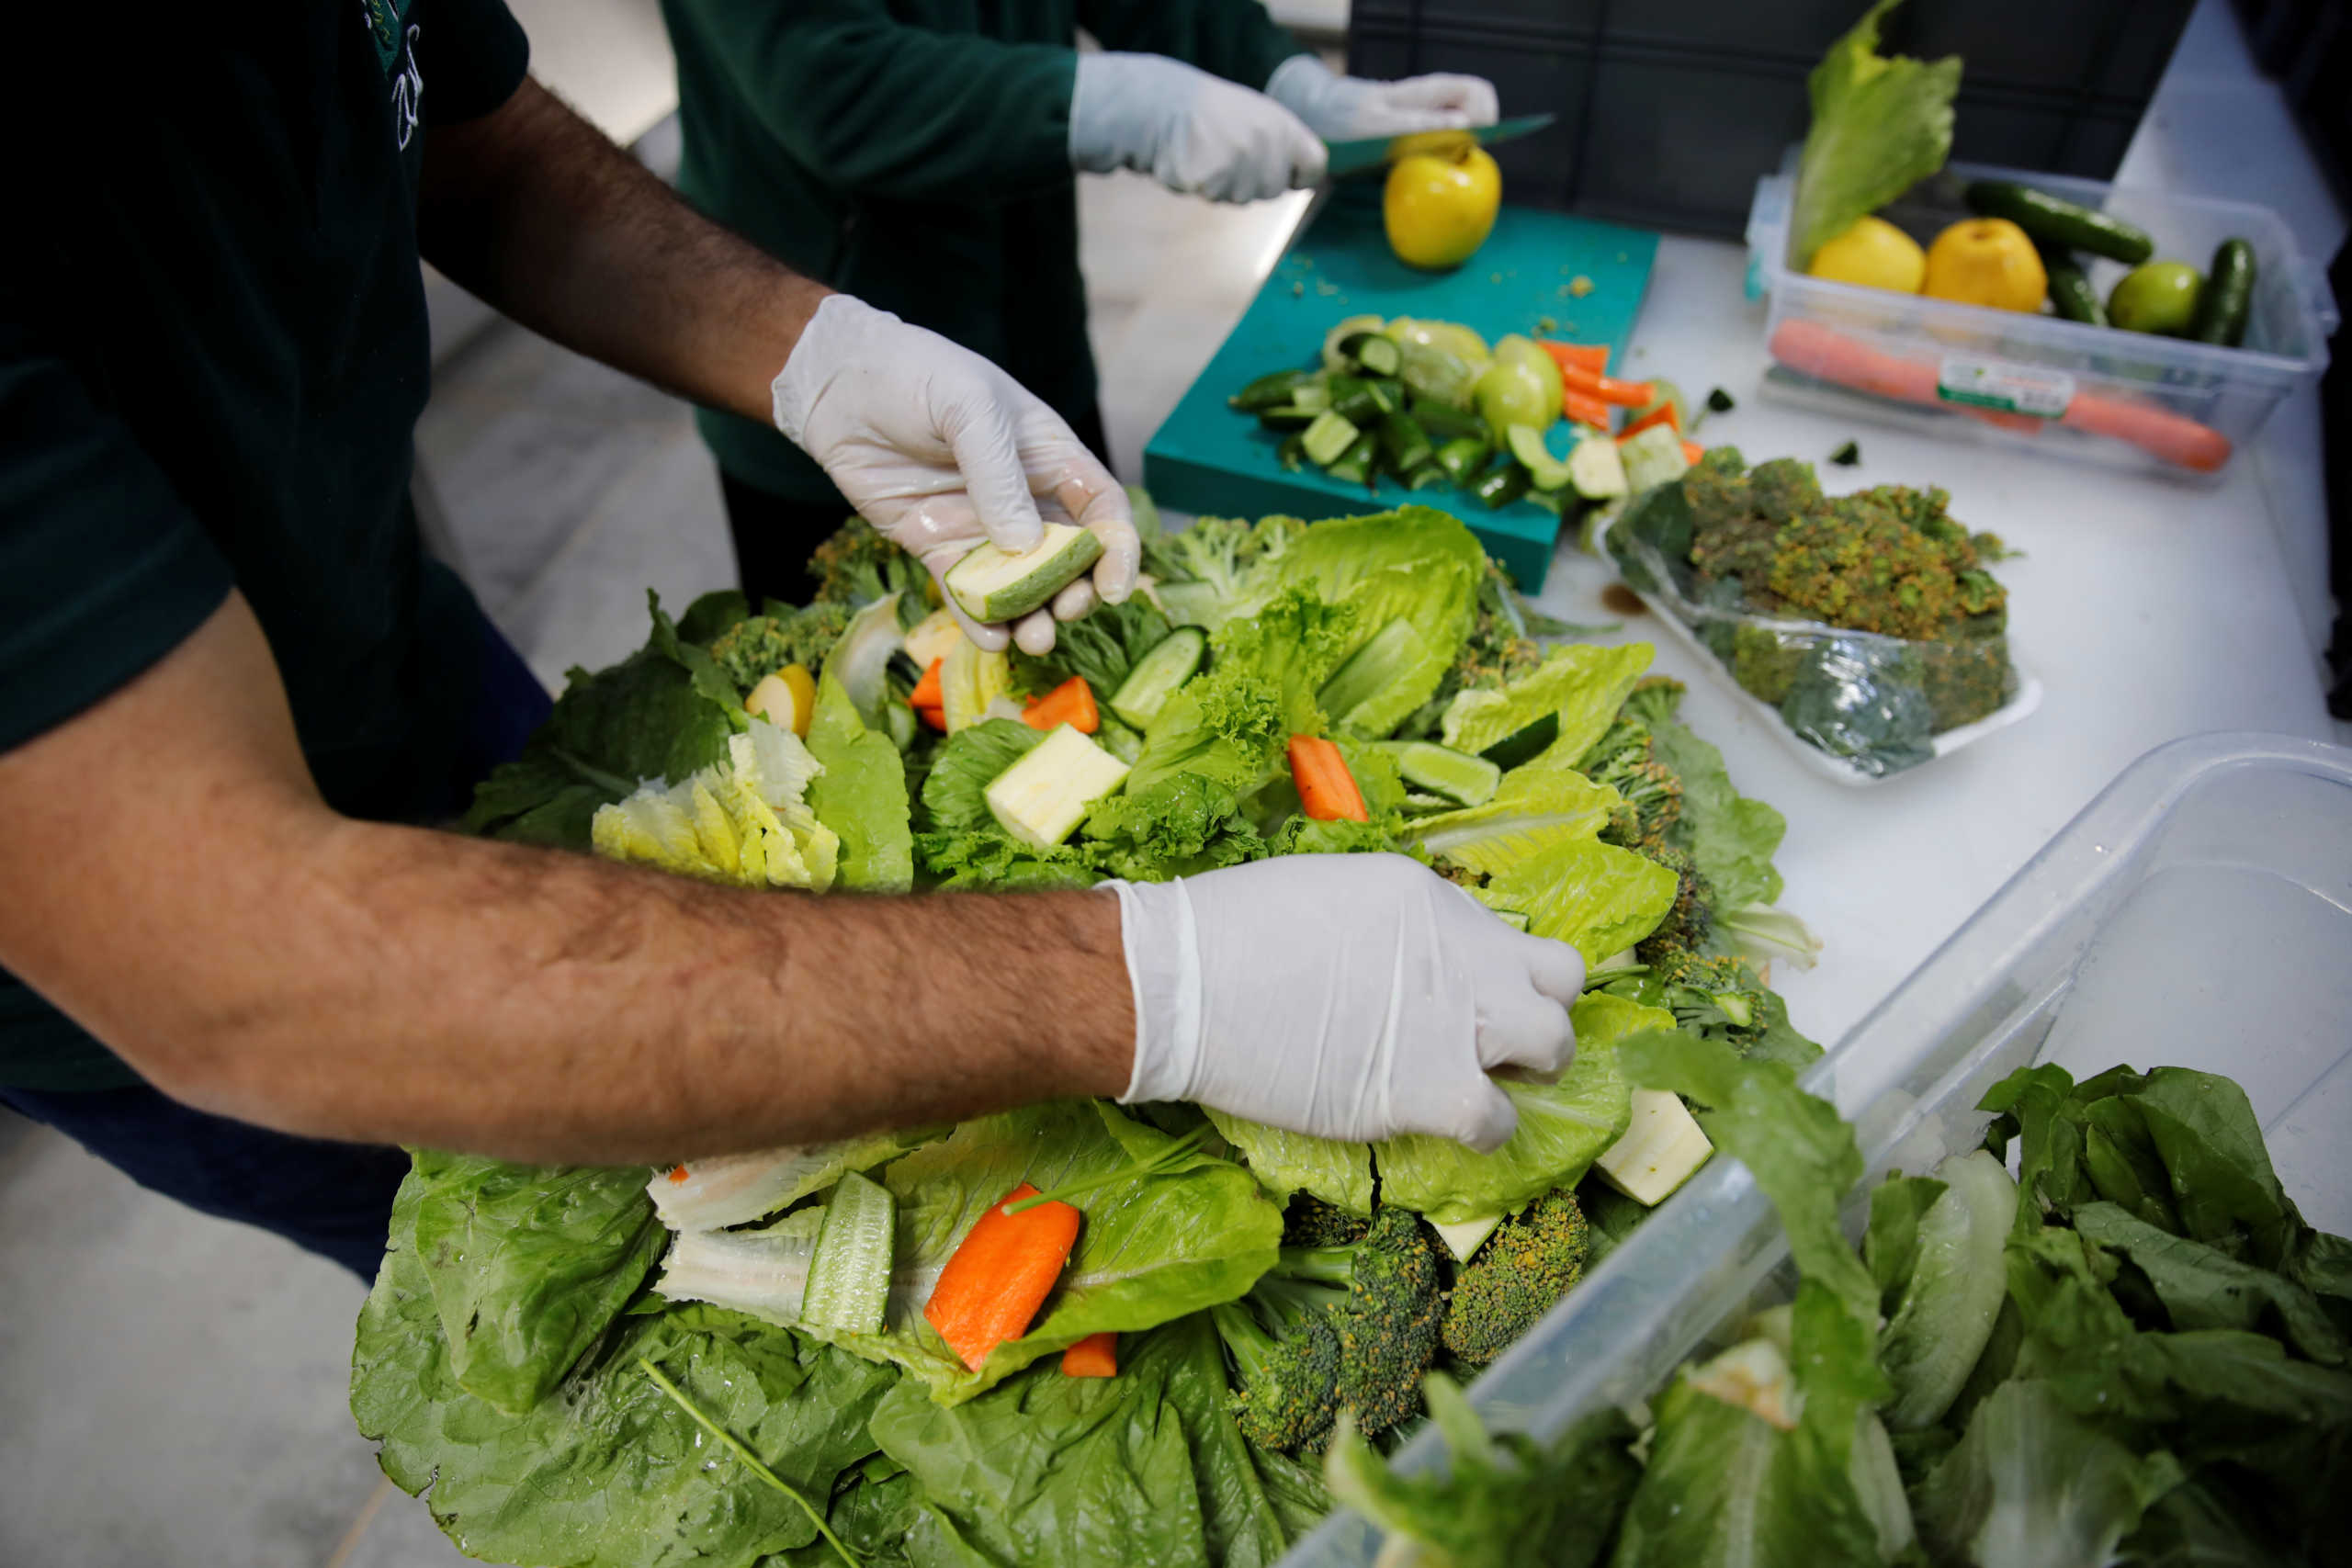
1669 114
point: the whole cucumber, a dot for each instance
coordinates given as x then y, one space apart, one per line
2228 298
2070 294
2059 223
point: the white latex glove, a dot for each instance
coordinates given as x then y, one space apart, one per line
1346 996
939 449
1192 132
1349 108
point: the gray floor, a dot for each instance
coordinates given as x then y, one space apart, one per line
172 1387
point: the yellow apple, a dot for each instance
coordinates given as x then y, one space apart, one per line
1440 206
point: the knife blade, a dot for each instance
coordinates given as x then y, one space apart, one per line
1376 151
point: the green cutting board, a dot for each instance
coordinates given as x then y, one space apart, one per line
1208 459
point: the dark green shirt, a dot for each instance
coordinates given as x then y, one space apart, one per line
212 354
916 154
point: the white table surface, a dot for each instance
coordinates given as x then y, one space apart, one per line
2151 610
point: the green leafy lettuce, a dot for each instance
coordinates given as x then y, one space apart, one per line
861 795
1582 684
1880 125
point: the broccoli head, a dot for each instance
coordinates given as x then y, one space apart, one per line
1527 1265
1350 1326
1883 560
857 565
1691 918
1311 1222
1784 489
759 645
1719 996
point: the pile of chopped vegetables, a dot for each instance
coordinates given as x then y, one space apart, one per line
1151 1321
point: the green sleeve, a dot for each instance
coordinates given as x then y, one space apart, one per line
881 108
1232 38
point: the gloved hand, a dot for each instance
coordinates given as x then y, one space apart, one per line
1194 132
939 449
1345 996
1349 108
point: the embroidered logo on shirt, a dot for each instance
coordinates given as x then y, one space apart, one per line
394 36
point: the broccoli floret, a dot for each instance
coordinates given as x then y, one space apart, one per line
759 645
1720 997
1354 1327
857 565
1310 1222
1527 1265
1691 918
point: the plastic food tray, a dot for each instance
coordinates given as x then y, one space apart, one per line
2060 372
1835 769
2199 913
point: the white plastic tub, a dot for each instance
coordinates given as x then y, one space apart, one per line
2040 382
2199 914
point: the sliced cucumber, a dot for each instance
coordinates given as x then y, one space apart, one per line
849 1275
1334 358
1524 744
1652 456
1454 777
1172 660
1271 391
1332 433
1376 354
994 584
1370 669
1041 799
1596 470
1543 470
1464 459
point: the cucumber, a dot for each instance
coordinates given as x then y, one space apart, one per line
1445 423
1652 456
1288 417
2070 294
1334 358
1271 391
992 584
1370 669
1041 799
1172 660
849 1275
1354 464
1524 744
1377 354
1505 485
1543 470
1955 1294
1404 444
2228 296
2060 224
1332 433
1454 776
1464 459
1596 470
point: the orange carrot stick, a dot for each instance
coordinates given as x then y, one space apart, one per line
928 693
1692 452
1096 1355
1592 357
1071 703
1001 1275
1586 408
1665 414
1625 394
934 716
1326 791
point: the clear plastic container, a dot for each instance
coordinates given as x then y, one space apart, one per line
2199 913
2040 382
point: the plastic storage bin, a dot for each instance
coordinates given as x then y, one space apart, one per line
2040 382
2199 913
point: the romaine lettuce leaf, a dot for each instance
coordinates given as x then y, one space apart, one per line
1194 1234
1880 125
1583 683
1536 806
1597 898
1563 1128
733 1190
526 1263
1731 836
745 821
2202 1287
861 795
2033 1485
604 1471
1416 565
1285 1163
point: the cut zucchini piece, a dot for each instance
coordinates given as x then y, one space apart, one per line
849 1274
1456 777
1173 659
1653 456
1463 1237
1596 471
969 681
932 637
1543 470
1041 799
1525 743
1661 1148
993 585
1332 433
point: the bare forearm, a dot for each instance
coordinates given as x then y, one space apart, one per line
534 209
416 987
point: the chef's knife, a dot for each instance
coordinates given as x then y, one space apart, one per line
1375 152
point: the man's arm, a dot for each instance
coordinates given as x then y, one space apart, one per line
177 886
535 210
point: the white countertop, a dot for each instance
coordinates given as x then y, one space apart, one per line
2150 609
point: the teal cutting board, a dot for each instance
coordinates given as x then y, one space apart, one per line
1206 459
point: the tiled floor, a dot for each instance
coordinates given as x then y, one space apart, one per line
172 1387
